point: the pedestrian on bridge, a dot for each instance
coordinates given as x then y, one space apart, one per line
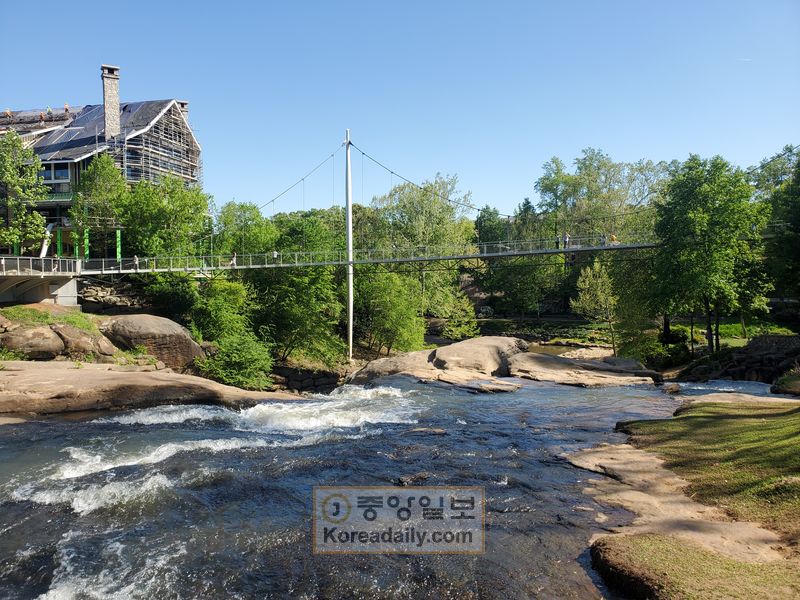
603 239
233 261
135 262
566 240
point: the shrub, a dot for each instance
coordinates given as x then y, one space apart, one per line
461 322
241 360
171 294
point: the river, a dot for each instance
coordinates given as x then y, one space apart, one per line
206 502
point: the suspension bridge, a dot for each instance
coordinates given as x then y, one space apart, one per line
53 279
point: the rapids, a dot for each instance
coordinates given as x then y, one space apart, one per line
206 502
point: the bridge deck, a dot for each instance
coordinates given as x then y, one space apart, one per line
23 266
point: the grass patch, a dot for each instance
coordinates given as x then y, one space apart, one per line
744 458
660 566
27 316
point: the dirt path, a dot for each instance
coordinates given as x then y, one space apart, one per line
638 481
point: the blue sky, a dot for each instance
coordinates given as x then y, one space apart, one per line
485 90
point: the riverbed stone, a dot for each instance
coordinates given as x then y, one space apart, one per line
77 342
163 338
38 343
488 355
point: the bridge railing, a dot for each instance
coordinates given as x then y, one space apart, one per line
26 265
31 265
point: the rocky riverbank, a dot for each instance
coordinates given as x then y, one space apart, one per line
31 388
479 365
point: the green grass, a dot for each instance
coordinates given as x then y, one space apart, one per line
25 315
664 567
744 458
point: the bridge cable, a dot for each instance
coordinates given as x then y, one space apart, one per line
303 178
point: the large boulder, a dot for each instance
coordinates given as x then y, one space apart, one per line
488 355
38 343
79 342
163 338
582 373
417 364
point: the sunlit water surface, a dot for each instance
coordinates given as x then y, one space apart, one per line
206 502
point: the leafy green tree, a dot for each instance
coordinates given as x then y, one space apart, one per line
20 188
222 309
164 219
710 234
241 228
784 247
461 323
387 312
489 227
596 298
424 218
100 196
241 360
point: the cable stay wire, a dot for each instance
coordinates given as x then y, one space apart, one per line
418 186
303 178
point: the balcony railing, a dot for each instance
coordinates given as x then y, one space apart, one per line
60 197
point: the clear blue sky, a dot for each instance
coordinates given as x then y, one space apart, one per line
485 90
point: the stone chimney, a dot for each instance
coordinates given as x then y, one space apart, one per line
110 75
184 106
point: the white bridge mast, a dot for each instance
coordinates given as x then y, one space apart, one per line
348 192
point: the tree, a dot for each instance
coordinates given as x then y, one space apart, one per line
165 218
98 201
241 228
461 323
387 312
20 188
596 299
489 227
784 247
710 235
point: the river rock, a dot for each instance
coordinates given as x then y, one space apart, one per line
163 338
57 387
488 355
417 364
104 346
582 373
77 342
38 343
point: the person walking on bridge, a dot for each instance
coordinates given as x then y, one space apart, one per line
566 240
233 261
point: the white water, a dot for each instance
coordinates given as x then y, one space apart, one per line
93 497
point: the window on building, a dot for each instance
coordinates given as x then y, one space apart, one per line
46 172
62 171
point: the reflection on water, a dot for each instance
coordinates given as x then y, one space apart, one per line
200 501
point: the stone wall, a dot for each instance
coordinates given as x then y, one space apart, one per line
764 359
306 380
99 297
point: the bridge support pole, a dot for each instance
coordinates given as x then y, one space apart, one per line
348 193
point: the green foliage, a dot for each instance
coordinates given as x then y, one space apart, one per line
7 354
647 348
489 227
783 250
244 230
222 309
705 443
20 188
100 196
241 360
387 312
596 299
25 315
171 294
710 235
300 310
461 323
164 219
